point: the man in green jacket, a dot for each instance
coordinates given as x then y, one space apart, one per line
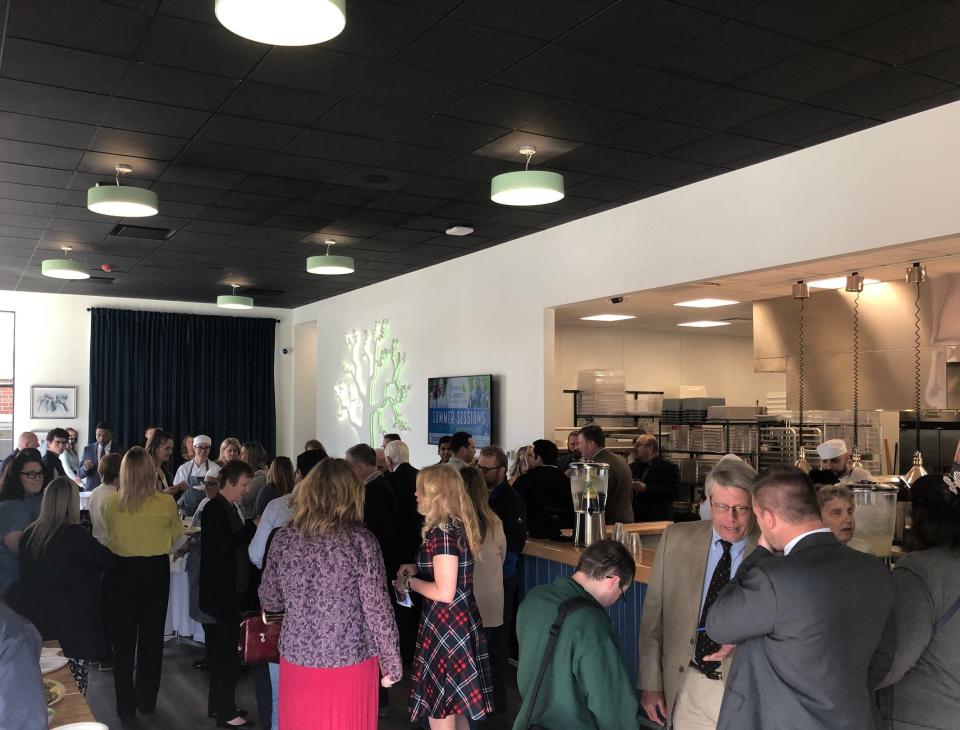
586 685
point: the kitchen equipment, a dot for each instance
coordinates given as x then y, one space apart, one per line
875 512
594 528
588 486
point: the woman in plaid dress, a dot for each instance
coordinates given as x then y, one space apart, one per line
451 669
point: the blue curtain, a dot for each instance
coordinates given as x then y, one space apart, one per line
185 372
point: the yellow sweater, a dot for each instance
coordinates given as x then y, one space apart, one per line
151 531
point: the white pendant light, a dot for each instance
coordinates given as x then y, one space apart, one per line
330 265
122 202
283 22
527 187
65 268
234 301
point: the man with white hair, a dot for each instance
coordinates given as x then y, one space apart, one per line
680 674
402 478
835 457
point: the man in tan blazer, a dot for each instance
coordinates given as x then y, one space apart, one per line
680 684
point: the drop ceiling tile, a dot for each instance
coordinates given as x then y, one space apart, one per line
186 193
25 207
580 122
440 187
793 123
507 148
277 103
356 230
136 144
229 157
464 212
381 29
821 20
410 88
526 217
595 160
303 168
724 108
376 217
647 91
914 107
314 68
201 176
654 136
726 8
478 169
926 28
657 170
233 215
13 191
837 132
371 120
880 92
809 73
250 201
141 116
502 106
47 64
44 131
103 166
944 65
210 49
175 86
346 195
720 149
465 49
108 28
455 135
283 187
388 240
640 31
406 203
563 72
544 19
48 101
242 132
27 175
375 178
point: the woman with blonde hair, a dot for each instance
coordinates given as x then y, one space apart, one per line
61 569
451 670
325 572
522 463
142 527
229 450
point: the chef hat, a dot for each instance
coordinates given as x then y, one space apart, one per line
832 449
213 472
202 440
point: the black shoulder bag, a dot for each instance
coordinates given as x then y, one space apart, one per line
566 608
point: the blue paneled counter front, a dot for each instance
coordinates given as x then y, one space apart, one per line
544 560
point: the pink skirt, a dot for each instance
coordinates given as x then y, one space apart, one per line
344 698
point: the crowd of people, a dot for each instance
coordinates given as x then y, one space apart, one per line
759 615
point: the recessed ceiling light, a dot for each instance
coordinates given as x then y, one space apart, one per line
122 201
608 317
234 301
837 282
706 303
459 231
283 22
527 187
703 323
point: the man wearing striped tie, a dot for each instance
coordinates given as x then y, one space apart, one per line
681 679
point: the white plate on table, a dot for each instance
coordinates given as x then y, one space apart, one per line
52 663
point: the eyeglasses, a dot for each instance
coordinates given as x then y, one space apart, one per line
201 448
31 474
623 590
485 469
723 509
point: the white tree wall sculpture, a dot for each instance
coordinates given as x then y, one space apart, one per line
370 389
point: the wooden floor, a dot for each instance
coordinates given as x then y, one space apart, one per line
183 698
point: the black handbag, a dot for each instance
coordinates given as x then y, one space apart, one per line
566 608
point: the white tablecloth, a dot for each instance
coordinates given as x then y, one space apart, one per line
84 499
178 621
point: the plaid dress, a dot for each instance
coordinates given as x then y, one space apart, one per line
451 669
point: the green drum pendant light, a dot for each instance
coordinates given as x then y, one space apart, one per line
283 22
329 265
65 268
527 187
234 301
122 202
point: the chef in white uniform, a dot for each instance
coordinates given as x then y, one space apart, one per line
193 472
835 457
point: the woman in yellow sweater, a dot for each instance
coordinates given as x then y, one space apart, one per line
142 528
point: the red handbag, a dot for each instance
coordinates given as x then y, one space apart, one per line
260 638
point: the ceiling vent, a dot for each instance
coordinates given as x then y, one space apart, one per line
147 232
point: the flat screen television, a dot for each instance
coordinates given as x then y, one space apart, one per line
461 403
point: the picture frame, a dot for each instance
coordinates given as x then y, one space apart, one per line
53 401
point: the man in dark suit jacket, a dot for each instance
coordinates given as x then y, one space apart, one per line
545 491
224 579
56 443
656 481
619 481
379 505
92 453
806 625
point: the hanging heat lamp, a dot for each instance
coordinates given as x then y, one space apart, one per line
916 275
855 286
801 293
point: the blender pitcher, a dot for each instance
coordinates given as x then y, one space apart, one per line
588 486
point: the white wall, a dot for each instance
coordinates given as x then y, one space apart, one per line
485 312
53 348
662 361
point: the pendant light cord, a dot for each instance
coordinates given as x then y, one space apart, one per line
856 370
916 365
800 390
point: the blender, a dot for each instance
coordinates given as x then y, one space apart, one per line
588 485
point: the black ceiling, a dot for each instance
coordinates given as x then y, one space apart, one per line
384 136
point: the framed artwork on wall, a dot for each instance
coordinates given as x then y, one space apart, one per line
53 401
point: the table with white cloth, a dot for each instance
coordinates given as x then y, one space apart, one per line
179 623
84 500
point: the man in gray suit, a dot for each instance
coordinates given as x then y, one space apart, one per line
679 685
806 624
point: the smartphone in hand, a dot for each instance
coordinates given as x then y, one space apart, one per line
403 598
